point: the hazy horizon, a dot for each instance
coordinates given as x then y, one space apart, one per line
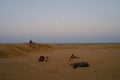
60 21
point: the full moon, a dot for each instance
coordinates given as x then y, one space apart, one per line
57 22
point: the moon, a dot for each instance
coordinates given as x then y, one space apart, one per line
57 22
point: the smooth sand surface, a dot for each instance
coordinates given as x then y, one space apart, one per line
20 62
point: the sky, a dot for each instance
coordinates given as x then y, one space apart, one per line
60 21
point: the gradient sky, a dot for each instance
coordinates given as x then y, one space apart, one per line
60 21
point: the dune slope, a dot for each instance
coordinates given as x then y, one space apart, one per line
9 50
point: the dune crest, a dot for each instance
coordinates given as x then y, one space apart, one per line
10 50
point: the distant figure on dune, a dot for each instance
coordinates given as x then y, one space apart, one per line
31 42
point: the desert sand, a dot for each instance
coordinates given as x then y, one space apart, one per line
20 61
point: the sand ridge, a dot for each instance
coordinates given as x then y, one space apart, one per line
19 49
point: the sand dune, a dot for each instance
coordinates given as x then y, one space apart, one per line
10 50
104 60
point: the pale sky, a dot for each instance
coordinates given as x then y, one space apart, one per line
60 21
